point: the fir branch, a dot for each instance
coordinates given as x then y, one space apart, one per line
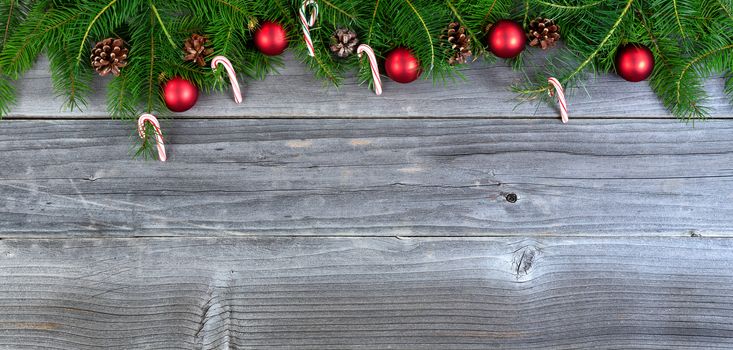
570 7
68 79
677 18
89 28
693 45
7 96
371 26
461 21
162 25
653 39
148 148
725 9
687 16
364 74
526 13
695 61
322 63
229 33
236 8
491 9
669 60
34 37
330 4
427 31
12 15
7 23
283 11
119 101
151 73
590 57
326 70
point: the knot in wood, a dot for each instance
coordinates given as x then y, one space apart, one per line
524 259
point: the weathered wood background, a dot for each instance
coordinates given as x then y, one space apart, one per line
323 218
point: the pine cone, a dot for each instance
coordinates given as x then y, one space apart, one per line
195 49
459 41
543 32
109 55
344 42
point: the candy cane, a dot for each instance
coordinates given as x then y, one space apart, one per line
308 23
158 135
364 48
232 75
560 98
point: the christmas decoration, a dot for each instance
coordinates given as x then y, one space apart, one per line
402 66
459 41
506 39
634 62
180 94
232 76
560 92
195 49
307 23
271 39
109 55
366 49
691 35
543 32
149 118
344 42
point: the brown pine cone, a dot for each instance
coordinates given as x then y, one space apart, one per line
543 32
195 49
344 42
459 41
109 55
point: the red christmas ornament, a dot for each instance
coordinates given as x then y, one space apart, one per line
271 38
506 38
180 94
634 62
402 66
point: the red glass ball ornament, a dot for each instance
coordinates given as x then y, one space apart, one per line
180 94
402 66
634 62
506 38
271 38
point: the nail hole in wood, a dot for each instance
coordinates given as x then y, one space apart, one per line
511 198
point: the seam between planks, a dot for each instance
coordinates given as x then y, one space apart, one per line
362 118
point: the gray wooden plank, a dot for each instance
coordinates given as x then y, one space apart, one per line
366 293
296 93
363 177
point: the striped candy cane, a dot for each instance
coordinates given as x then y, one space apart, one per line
363 48
560 98
158 135
232 75
308 23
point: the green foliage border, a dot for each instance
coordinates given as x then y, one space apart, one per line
691 40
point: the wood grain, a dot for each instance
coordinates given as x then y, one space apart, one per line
392 177
296 93
267 210
366 293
